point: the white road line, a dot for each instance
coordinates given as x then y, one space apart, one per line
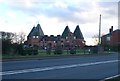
110 77
55 67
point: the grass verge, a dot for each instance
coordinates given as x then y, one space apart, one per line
43 54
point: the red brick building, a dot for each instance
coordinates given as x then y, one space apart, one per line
112 38
68 39
115 38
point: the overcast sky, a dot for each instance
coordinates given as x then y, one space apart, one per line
54 15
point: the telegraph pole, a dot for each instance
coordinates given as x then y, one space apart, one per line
99 48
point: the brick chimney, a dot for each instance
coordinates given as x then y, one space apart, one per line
111 29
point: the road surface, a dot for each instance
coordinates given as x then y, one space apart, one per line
96 67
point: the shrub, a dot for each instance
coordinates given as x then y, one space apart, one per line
25 52
29 52
35 52
58 51
48 51
94 51
6 46
20 49
72 51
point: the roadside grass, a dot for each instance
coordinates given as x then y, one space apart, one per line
42 53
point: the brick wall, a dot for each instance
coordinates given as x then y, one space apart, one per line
115 38
34 41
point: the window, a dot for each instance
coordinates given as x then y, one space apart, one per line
33 36
66 37
108 38
74 37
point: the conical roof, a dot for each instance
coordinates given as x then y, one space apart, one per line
65 32
78 33
36 31
31 32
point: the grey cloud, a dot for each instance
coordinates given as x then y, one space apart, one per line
110 8
67 14
43 8
63 14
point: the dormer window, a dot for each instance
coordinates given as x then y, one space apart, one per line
37 36
33 36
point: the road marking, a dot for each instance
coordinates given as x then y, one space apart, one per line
110 77
55 67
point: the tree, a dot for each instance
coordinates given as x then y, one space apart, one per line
12 42
21 37
96 39
6 38
15 38
7 35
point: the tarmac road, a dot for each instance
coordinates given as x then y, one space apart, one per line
96 67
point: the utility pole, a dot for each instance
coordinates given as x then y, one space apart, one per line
99 30
99 48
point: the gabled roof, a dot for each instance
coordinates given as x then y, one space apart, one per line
78 33
36 31
65 32
107 35
110 34
117 30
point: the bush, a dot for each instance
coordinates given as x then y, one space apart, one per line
94 51
72 51
29 52
58 51
24 52
35 52
6 46
48 51
20 49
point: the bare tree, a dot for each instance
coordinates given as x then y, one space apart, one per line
6 35
96 39
21 37
15 39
